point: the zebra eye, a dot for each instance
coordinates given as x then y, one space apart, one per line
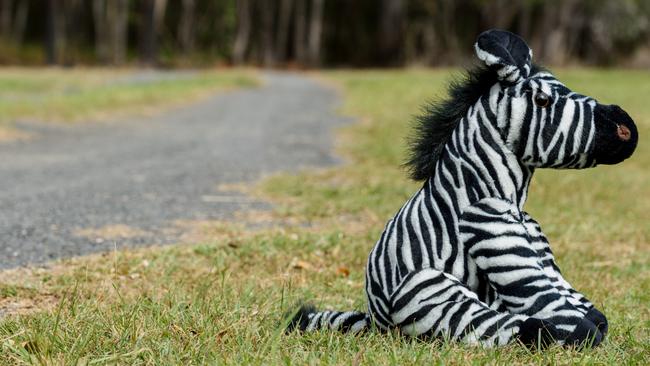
542 99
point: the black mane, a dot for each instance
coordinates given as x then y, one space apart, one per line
440 118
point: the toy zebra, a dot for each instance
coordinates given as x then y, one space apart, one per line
461 259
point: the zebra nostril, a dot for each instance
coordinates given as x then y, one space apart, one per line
623 132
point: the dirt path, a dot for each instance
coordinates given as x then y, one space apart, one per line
135 178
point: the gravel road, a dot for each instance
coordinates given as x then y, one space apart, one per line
147 173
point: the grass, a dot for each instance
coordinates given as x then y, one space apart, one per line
81 95
221 300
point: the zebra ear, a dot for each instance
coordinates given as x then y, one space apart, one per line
505 52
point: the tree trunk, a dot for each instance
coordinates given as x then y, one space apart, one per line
315 32
391 32
186 27
267 12
282 35
242 39
51 30
555 25
20 21
100 24
300 35
61 31
70 30
6 14
499 13
153 13
525 20
160 6
118 13
431 45
447 31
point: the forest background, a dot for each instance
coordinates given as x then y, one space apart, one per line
315 33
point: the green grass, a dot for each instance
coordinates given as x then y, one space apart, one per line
221 301
81 95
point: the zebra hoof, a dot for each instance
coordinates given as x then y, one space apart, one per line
599 320
537 333
586 334
300 319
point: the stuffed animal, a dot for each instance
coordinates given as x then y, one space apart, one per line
461 259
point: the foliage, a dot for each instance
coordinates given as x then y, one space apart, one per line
316 32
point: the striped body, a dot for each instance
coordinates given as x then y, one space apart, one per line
462 259
480 186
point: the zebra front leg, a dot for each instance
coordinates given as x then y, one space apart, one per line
496 239
429 302
580 301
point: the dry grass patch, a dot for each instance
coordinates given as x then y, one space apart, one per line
112 232
11 134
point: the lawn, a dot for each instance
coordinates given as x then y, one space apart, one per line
87 94
221 300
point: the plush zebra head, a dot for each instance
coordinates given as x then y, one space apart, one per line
543 122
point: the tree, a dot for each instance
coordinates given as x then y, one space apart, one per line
20 21
100 23
282 35
240 46
153 13
391 32
110 24
118 13
13 20
186 27
318 32
300 34
266 10
53 32
315 32
6 15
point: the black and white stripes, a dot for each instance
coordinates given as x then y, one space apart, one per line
461 259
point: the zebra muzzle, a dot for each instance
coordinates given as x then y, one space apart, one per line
616 134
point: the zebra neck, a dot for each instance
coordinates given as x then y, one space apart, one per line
476 164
